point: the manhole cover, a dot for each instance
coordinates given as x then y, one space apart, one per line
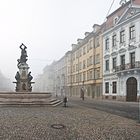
58 126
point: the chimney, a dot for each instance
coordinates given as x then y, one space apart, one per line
73 46
96 27
79 40
87 33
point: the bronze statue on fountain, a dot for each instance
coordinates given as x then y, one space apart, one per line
23 78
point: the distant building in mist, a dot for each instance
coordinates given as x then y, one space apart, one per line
45 82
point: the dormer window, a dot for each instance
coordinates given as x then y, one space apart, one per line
115 20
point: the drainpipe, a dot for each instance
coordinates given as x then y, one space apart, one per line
139 108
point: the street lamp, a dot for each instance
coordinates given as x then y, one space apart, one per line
83 83
139 108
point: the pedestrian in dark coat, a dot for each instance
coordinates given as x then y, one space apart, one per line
82 93
65 100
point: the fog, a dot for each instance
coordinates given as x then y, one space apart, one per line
46 27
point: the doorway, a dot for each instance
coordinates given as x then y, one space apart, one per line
131 89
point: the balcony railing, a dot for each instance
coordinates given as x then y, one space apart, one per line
128 66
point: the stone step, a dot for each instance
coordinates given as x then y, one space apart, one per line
52 100
55 102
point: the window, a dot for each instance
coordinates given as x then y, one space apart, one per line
84 76
87 75
97 59
114 87
114 60
84 50
90 60
90 75
77 78
73 68
122 62
80 52
107 65
115 20
132 59
91 44
68 79
84 64
80 77
69 58
107 87
88 47
87 62
132 32
97 44
76 67
114 40
122 36
80 65
107 44
77 54
73 79
69 70
97 73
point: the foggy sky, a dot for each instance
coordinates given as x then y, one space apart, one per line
46 27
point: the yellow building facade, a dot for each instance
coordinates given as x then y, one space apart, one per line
86 65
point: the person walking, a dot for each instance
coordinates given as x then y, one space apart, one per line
82 93
65 100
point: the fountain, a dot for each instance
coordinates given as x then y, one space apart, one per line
23 94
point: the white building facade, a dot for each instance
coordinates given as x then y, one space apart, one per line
121 55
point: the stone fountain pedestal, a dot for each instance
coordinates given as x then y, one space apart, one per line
23 83
25 98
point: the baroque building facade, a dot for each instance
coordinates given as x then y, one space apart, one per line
121 53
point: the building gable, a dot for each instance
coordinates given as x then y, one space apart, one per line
129 13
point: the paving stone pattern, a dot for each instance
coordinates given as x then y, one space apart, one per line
34 123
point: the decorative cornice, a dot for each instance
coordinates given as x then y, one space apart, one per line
131 47
122 50
106 56
114 53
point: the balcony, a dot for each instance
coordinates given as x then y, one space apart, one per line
128 66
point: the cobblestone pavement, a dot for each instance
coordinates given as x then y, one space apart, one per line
81 123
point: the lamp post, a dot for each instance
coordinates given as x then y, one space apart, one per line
139 109
83 83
